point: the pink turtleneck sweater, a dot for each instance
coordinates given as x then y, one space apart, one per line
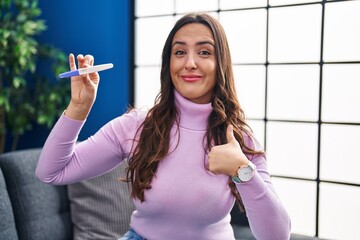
186 201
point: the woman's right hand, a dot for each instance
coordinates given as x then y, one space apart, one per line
83 88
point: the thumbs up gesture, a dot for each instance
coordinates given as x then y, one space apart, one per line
227 158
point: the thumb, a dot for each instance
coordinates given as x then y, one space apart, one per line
230 134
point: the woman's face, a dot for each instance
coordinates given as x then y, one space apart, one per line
193 62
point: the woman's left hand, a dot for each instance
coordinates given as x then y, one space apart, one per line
227 158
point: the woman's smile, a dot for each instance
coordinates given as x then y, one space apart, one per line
191 77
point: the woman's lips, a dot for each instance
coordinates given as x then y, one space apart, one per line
190 78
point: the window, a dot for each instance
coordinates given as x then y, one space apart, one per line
297 71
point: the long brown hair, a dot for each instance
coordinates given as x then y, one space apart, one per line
153 143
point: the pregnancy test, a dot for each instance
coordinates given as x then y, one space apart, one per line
82 71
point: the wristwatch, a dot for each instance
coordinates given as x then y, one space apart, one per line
245 173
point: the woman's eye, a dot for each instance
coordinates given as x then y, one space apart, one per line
204 52
179 52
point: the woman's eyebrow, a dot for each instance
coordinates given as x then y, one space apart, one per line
198 43
205 42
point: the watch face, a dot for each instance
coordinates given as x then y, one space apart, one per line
246 173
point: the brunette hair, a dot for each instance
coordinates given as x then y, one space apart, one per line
153 143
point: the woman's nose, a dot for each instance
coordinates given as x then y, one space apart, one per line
190 62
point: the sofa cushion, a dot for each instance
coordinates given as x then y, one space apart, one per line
7 223
101 207
41 211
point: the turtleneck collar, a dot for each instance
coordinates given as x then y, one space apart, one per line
192 115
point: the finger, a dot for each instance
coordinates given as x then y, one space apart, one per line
91 77
72 62
230 134
85 77
94 76
89 59
80 59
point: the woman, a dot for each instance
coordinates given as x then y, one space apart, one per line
190 157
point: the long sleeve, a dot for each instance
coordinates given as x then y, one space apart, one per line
267 216
64 161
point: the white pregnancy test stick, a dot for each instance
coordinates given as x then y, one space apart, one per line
82 71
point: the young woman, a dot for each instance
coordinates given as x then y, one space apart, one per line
190 157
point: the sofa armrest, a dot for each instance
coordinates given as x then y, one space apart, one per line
41 211
7 223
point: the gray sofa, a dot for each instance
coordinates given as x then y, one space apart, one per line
93 209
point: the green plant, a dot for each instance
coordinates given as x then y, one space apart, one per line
27 96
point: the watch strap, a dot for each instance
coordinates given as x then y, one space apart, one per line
236 179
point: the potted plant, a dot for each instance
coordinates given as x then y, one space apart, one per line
27 96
